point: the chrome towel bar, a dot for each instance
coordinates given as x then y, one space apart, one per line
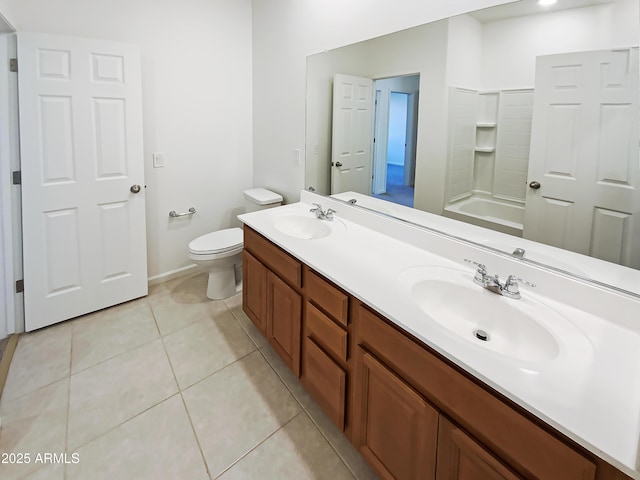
174 214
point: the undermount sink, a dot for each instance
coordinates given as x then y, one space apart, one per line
523 329
307 227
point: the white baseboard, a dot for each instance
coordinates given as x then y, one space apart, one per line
173 274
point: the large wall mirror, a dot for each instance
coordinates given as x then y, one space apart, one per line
519 118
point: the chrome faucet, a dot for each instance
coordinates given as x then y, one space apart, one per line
322 214
508 288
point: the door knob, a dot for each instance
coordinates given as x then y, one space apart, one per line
135 189
338 164
535 185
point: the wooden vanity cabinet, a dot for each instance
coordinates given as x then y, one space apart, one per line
325 356
460 457
410 412
481 434
284 309
254 291
271 298
395 428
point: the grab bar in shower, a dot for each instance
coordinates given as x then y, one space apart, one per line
174 214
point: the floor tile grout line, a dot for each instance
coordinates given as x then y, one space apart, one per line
239 459
236 313
182 327
4 397
209 375
184 404
144 344
100 435
310 416
31 392
66 432
153 314
195 435
181 390
244 329
307 412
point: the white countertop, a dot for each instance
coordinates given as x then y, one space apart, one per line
593 397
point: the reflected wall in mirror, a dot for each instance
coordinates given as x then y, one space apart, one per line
526 122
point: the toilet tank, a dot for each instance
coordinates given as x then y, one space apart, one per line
261 198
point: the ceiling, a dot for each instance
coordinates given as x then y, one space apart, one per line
529 7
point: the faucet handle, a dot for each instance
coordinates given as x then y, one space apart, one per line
317 211
329 213
515 279
481 267
511 288
481 278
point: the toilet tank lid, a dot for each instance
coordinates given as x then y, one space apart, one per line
262 196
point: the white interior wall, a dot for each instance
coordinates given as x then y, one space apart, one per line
419 50
405 84
465 43
196 74
351 60
285 32
510 46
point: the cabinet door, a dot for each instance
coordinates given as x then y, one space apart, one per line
395 429
254 291
460 457
284 318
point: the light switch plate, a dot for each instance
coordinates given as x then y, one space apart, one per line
158 160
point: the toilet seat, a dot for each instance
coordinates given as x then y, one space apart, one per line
228 241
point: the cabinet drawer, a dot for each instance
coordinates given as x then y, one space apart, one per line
276 259
326 332
325 380
326 296
527 447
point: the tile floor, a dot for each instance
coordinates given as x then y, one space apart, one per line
170 386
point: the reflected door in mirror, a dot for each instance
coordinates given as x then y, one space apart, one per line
584 155
352 143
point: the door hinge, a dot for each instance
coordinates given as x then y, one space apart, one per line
19 286
13 64
16 177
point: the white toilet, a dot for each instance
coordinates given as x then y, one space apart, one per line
220 252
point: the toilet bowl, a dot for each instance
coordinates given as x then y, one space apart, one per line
220 252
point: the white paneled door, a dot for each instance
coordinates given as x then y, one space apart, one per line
584 174
83 198
352 134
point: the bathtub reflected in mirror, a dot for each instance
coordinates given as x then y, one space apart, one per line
488 213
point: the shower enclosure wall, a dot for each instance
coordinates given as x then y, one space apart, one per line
488 157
